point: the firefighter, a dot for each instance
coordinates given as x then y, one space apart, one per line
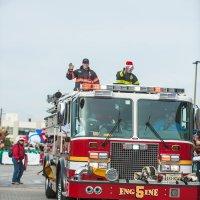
82 75
126 76
168 123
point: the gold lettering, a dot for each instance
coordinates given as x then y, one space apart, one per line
139 192
146 192
121 191
155 192
132 191
151 192
124 191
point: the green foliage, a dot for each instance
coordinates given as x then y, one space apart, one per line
7 143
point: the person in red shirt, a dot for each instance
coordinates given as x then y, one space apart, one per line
18 154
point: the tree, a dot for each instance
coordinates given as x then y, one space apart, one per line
7 143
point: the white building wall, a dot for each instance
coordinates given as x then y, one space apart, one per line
12 121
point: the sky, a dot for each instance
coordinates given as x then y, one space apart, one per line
39 38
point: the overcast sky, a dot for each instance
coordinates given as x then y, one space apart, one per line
39 37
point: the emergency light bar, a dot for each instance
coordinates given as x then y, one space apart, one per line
141 89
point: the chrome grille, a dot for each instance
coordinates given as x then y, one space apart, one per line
128 161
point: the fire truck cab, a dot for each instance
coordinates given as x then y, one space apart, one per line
120 142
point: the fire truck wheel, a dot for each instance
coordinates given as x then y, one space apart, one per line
48 190
60 189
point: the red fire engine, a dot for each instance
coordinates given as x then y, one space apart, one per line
120 142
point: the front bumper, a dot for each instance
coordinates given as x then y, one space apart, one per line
126 191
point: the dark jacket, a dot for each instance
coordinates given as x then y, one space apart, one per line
82 76
18 151
196 141
126 78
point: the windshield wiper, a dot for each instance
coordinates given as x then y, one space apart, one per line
152 129
111 132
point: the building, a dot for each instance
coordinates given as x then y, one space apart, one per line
17 127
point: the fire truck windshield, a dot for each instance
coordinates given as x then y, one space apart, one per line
96 117
173 120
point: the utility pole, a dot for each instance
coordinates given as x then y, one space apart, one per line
1 113
195 81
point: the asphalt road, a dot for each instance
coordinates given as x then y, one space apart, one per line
31 189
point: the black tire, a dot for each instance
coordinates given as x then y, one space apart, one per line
50 194
60 189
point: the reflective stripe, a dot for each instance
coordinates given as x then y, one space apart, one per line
95 80
90 86
87 81
86 86
121 74
124 82
185 162
78 80
127 82
136 83
78 159
182 162
82 80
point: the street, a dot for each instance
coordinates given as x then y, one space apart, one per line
31 189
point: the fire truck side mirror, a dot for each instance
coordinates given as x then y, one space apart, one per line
65 114
62 113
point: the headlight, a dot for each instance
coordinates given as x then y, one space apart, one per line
112 174
103 155
98 165
103 165
170 168
175 168
175 158
98 155
168 158
165 158
93 164
165 168
94 155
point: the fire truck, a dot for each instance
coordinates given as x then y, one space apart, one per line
120 142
